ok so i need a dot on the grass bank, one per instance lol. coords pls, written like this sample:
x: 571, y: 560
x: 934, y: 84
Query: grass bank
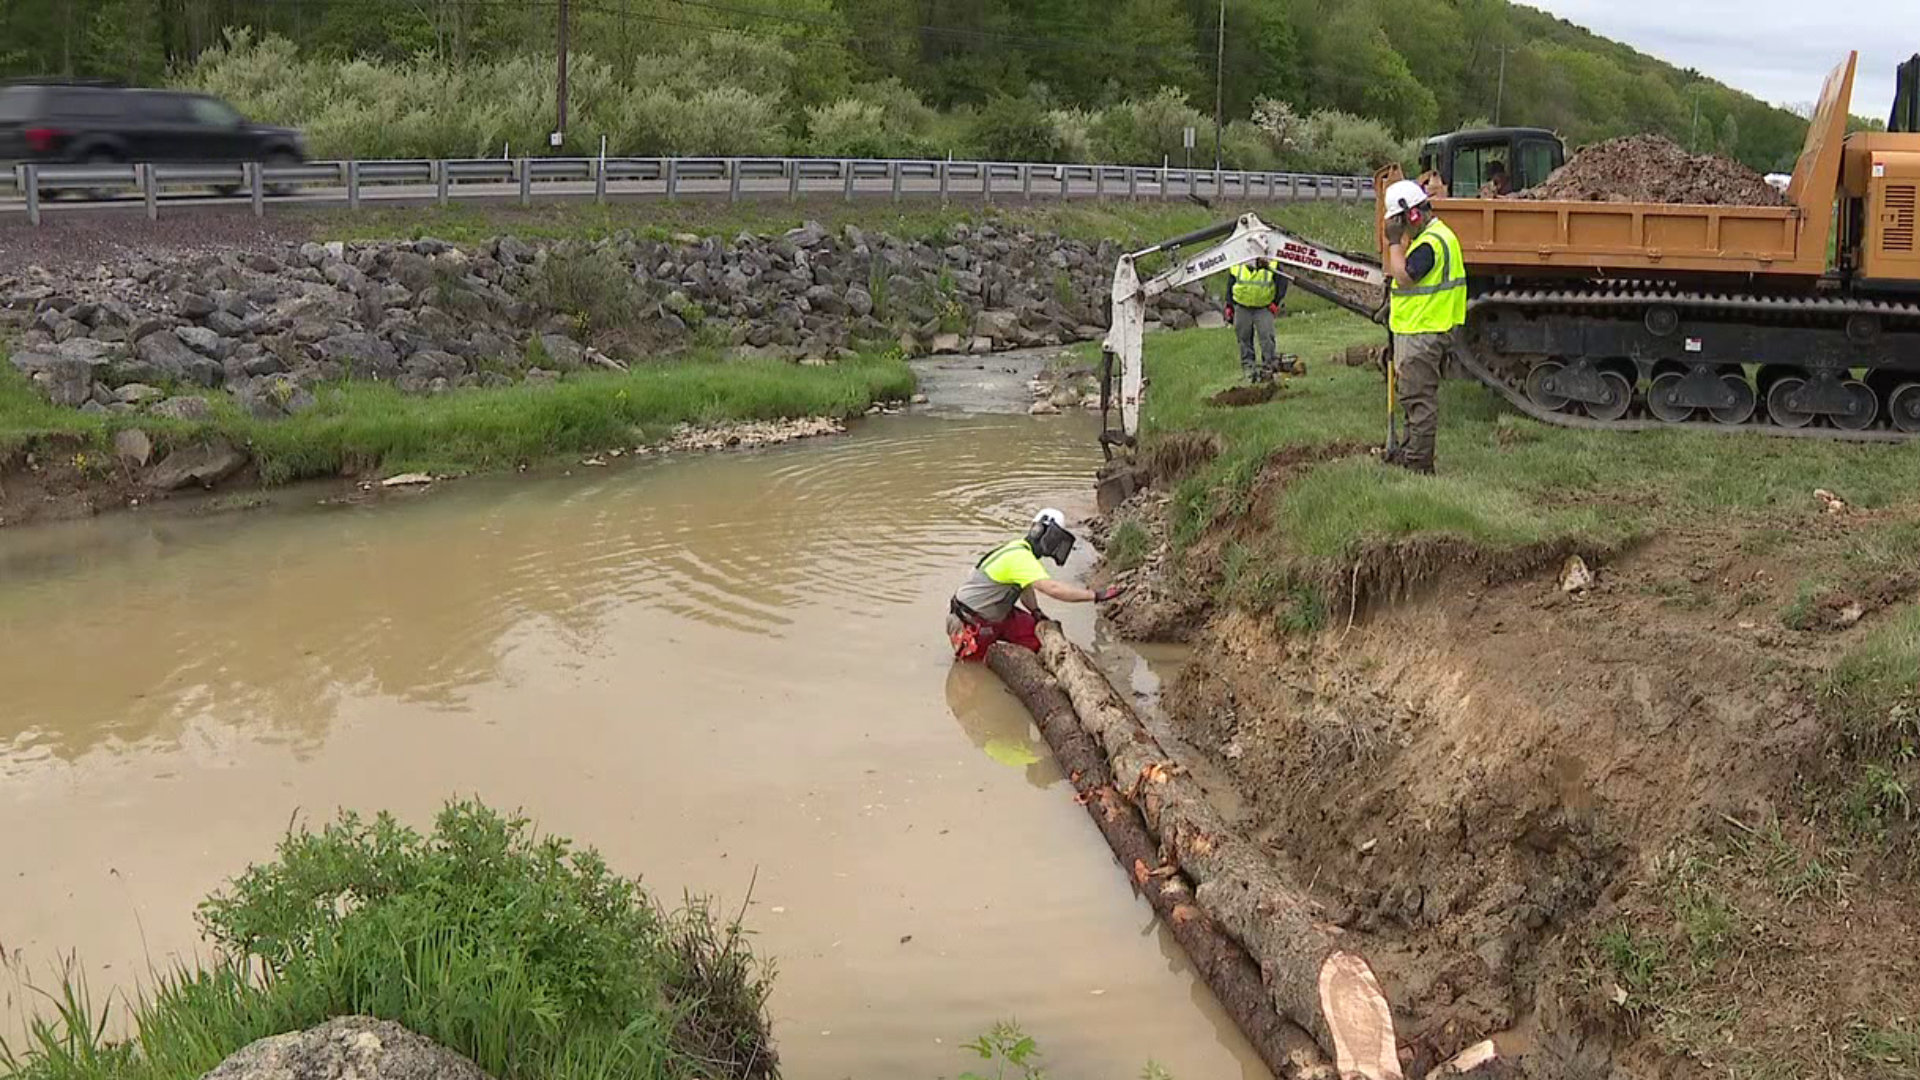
x: 521, y: 951
x: 1505, y: 481
x: 366, y: 426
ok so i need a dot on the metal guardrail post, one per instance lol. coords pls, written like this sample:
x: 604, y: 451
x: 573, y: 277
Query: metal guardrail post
x: 793, y: 179
x: 893, y: 173
x: 257, y: 188
x: 442, y: 185
x: 150, y: 192
x: 30, y: 186
x: 943, y: 183
x: 986, y: 183
x: 353, y: 185
x: 733, y: 180
x: 524, y: 166
x: 1026, y: 182
x: 846, y: 167
x: 1099, y: 181
x: 1133, y: 184
x: 600, y: 181
x: 1166, y: 183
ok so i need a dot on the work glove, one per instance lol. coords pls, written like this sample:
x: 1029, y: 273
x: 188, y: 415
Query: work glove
x: 1229, y: 314
x: 1110, y: 593
x: 1274, y: 307
x: 1396, y: 229
x: 1041, y: 616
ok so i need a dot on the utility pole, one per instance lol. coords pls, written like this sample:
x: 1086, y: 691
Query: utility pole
x: 1219, y: 82
x: 1693, y: 138
x: 560, y: 129
x: 1500, y: 95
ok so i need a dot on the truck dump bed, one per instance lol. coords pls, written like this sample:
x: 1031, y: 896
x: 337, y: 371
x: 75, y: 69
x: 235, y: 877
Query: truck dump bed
x: 1511, y: 236
x: 1629, y: 239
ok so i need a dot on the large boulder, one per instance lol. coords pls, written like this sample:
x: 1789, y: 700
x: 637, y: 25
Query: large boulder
x: 163, y: 355
x: 67, y: 382
x: 184, y: 408
x: 363, y: 355
x: 998, y: 325
x: 205, y: 465
x: 809, y: 235
x: 347, y: 1048
x: 563, y: 353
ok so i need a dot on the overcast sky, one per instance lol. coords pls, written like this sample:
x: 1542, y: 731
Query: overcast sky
x: 1777, y: 50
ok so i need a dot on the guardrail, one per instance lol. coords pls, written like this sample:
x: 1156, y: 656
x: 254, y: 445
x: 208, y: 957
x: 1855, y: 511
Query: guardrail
x: 525, y: 180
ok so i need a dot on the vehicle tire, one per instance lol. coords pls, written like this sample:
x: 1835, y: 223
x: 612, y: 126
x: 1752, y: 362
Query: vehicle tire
x: 283, y: 159
x: 100, y: 157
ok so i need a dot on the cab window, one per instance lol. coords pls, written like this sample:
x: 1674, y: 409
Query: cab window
x: 1538, y: 159
x: 1475, y: 169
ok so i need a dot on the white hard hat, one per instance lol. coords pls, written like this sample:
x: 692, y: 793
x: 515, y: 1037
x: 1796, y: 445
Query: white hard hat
x: 1050, y: 516
x: 1403, y: 196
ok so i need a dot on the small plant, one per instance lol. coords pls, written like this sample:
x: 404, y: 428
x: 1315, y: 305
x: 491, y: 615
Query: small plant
x: 1303, y: 610
x: 589, y: 285
x: 1636, y: 960
x: 1127, y: 547
x: 1011, y: 1052
x: 878, y: 289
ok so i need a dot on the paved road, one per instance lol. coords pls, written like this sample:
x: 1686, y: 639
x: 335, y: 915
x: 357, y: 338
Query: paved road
x: 545, y: 191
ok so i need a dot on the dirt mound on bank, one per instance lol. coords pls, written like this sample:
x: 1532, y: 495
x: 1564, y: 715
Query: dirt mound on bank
x: 1651, y: 169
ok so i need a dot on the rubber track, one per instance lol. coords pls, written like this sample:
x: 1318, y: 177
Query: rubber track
x: 1630, y: 294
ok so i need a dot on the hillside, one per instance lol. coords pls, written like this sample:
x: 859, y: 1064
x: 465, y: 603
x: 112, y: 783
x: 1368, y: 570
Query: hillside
x: 1032, y: 79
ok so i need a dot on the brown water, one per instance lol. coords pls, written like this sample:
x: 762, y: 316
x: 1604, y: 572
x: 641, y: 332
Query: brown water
x: 709, y: 668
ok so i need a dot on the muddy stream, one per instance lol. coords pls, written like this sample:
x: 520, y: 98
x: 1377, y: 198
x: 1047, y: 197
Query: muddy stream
x: 708, y: 667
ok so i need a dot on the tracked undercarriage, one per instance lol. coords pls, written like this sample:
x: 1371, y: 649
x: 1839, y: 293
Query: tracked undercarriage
x: 1638, y: 355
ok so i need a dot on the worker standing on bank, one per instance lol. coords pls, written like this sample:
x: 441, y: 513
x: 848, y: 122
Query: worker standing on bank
x: 1000, y: 600
x: 1252, y: 306
x: 1428, y: 289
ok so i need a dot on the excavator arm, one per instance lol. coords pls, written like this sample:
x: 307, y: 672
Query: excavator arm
x: 1246, y: 240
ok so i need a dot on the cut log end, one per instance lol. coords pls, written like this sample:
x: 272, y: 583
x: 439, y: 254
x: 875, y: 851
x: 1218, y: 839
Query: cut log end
x: 1358, y: 1018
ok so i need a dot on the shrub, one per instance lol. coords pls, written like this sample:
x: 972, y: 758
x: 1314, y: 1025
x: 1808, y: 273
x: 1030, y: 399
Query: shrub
x: 1073, y: 134
x: 1014, y: 129
x: 1145, y: 132
x: 1339, y: 142
x: 847, y: 128
x: 1244, y: 146
x: 590, y: 285
x: 522, y: 952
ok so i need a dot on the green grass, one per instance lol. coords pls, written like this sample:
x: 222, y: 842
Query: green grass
x: 522, y: 952
x: 1505, y: 482
x: 364, y: 425
x: 1127, y: 547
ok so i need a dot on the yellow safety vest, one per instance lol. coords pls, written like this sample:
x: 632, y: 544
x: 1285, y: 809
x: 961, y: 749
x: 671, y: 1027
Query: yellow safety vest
x: 1252, y: 288
x: 1437, y: 303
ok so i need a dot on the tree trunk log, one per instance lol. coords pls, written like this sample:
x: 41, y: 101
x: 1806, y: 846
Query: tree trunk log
x: 1228, y: 971
x: 1313, y: 979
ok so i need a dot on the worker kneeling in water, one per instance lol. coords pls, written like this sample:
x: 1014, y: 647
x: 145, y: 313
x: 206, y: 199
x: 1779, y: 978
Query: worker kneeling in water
x: 1000, y: 601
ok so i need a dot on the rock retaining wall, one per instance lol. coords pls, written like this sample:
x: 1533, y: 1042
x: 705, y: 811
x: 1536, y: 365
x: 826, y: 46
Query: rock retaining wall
x: 269, y: 326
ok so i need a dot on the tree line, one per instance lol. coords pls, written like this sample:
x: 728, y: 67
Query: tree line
x: 1018, y: 76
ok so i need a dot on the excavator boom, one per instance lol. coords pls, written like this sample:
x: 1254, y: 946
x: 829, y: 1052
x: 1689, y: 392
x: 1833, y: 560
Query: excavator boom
x: 1247, y: 239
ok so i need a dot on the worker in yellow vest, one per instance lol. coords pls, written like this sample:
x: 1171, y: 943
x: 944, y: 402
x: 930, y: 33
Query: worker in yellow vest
x: 1428, y: 289
x: 1253, y: 305
x: 1000, y: 600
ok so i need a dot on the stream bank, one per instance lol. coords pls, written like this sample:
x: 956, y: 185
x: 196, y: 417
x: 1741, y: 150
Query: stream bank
x: 1601, y: 746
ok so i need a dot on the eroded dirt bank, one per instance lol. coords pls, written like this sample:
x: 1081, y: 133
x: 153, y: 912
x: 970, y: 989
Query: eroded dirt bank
x: 1612, y: 826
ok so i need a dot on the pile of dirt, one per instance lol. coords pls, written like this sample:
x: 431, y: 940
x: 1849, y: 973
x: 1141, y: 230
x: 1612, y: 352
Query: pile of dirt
x: 1651, y: 169
x: 1239, y: 397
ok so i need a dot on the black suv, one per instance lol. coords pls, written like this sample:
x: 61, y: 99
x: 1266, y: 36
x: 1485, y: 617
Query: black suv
x: 80, y: 123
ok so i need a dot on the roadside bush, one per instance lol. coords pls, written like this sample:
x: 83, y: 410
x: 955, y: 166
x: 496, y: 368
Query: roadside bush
x: 1014, y: 129
x: 1338, y: 142
x: 1073, y: 134
x: 848, y: 128
x: 1144, y: 132
x: 1244, y: 146
x: 720, y: 120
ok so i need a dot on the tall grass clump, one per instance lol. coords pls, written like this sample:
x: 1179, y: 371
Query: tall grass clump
x: 523, y: 952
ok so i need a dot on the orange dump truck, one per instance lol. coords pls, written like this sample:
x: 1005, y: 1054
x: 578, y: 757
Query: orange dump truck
x: 1802, y: 319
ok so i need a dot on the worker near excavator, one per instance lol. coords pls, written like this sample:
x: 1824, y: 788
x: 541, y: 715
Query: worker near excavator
x: 1427, y: 286
x: 1253, y: 304
x: 1000, y: 600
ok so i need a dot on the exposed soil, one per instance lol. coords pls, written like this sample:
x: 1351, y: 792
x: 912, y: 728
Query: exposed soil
x: 1239, y: 397
x: 1651, y: 169
x: 1480, y: 775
